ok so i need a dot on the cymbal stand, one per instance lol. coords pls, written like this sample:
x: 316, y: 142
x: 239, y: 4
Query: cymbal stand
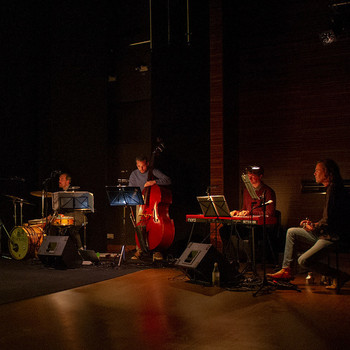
x: 42, y: 203
x: 21, y: 211
x: 15, y: 212
x: 84, y: 228
x: 44, y: 206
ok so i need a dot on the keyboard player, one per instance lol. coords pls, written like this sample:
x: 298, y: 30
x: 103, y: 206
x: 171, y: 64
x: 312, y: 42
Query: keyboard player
x: 239, y: 234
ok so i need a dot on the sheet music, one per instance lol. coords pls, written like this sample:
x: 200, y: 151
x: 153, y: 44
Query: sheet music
x: 214, y: 206
x: 207, y: 206
x: 221, y: 206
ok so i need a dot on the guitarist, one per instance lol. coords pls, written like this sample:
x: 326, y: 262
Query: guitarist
x: 139, y: 178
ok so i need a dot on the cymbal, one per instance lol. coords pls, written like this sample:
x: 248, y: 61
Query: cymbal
x: 18, y: 200
x: 39, y: 194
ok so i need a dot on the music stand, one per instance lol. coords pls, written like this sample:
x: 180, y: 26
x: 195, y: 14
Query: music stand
x: 78, y: 200
x: 221, y: 206
x: 207, y: 206
x: 74, y: 200
x: 214, y: 206
x: 126, y: 197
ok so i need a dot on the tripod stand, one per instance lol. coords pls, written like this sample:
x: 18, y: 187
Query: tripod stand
x: 264, y: 284
x: 126, y: 197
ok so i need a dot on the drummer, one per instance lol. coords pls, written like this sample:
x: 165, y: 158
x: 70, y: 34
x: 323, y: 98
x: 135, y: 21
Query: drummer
x: 64, y: 183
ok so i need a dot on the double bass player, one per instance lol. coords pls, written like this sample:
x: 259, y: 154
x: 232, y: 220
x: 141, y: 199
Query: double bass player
x: 140, y: 178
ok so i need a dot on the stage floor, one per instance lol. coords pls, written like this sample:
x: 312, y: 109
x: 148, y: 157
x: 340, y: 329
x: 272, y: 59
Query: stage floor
x: 159, y: 309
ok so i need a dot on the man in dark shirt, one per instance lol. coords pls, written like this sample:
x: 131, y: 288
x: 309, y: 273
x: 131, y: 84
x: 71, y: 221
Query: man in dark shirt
x: 321, y: 235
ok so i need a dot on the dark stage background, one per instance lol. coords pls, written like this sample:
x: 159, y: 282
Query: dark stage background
x: 81, y: 93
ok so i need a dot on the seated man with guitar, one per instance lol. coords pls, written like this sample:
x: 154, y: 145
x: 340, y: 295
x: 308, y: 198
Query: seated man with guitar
x: 315, y: 239
x: 250, y: 206
x: 155, y: 230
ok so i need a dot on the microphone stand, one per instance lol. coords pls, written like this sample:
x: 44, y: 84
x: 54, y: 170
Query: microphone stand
x: 44, y: 205
x: 264, y: 283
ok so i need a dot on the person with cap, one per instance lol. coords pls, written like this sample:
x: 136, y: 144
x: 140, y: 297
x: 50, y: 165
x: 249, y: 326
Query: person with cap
x: 264, y: 192
x: 250, y: 206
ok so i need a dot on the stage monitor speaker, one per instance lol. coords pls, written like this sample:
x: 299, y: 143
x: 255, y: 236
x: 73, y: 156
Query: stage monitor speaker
x: 198, y: 260
x: 59, y: 252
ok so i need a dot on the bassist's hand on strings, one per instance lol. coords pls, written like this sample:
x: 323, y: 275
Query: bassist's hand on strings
x: 150, y: 183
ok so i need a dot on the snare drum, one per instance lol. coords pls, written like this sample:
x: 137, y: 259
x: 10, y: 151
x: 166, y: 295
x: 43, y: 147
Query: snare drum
x: 62, y: 220
x: 25, y: 241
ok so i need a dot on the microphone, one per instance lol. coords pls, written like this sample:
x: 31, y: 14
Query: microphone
x: 264, y: 204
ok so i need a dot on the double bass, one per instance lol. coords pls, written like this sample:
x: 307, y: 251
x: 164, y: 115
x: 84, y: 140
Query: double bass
x: 156, y: 229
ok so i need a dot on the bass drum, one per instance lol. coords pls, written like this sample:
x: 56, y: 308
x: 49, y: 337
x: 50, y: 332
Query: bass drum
x: 37, y: 222
x: 25, y: 241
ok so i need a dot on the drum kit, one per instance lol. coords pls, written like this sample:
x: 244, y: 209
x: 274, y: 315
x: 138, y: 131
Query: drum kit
x: 25, y: 239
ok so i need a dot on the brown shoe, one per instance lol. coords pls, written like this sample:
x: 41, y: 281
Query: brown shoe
x: 343, y: 278
x: 157, y: 256
x: 284, y: 274
x: 137, y: 255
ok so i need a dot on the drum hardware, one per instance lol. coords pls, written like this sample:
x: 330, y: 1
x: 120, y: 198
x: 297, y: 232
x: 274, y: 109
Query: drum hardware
x: 43, y: 194
x: 84, y: 228
x: 18, y: 200
x: 15, y: 201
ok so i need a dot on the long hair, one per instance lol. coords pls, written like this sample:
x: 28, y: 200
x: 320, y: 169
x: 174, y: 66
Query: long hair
x: 332, y: 170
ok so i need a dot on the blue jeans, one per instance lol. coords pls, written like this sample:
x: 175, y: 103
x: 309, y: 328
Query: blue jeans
x: 316, y: 248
